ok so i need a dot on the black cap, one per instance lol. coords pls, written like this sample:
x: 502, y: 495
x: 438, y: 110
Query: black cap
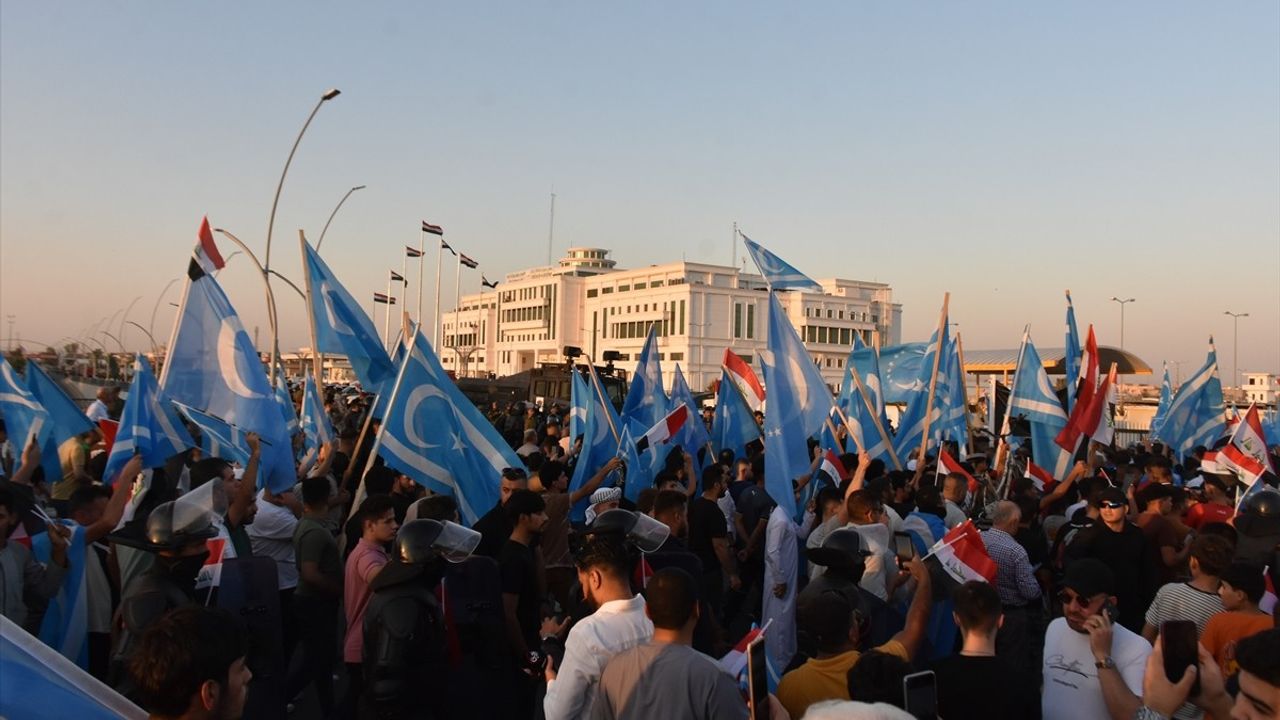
x: 1089, y: 577
x: 1115, y: 495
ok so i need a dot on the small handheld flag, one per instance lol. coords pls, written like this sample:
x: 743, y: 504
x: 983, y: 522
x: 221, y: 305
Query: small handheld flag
x: 664, y: 430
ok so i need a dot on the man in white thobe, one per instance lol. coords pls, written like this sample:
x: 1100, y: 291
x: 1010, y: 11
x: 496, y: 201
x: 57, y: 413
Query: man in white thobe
x: 781, y: 563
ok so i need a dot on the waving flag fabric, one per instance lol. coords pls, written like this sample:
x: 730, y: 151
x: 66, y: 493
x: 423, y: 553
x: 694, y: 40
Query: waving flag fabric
x: 66, y: 420
x: 1085, y: 387
x: 217, y: 438
x: 641, y: 467
x: 149, y: 425
x: 24, y: 417
x: 910, y: 435
x: 646, y: 400
x: 865, y: 361
x: 342, y: 327
x: 383, y: 396
x: 1195, y: 414
x: 433, y: 434
x: 599, y: 444
x: 778, y: 273
x: 213, y: 367
x: 1162, y: 409
x: 65, y: 627
x: 1072, y: 355
x: 694, y: 437
x: 317, y: 431
x: 667, y: 429
x: 285, y: 402
x: 1033, y: 398
x: 900, y: 371
x: 953, y: 413
x: 734, y: 425
x: 745, y: 379
x: 1041, y: 478
x: 799, y: 403
x: 579, y: 395
x: 1250, y: 438
x: 960, y: 556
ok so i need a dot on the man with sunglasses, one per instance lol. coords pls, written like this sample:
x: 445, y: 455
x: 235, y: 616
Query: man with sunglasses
x: 1092, y: 668
x: 1120, y: 545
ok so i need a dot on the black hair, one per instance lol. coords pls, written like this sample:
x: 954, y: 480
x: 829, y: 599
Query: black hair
x: 1222, y: 530
x: 668, y: 500
x: 523, y: 502
x: 1213, y: 553
x: 671, y: 598
x: 1247, y: 578
x: 663, y: 477
x: 1257, y: 656
x: 977, y: 604
x: 712, y: 475
x: 550, y: 472
x: 206, y: 470
x: 828, y: 619
x: 87, y: 495
x: 877, y: 677
x: 315, y: 491
x: 606, y: 552
x: 6, y: 500
x: 181, y: 651
x: 644, y: 501
x: 437, y: 507
x: 374, y: 507
x: 929, y: 500
x: 1152, y: 493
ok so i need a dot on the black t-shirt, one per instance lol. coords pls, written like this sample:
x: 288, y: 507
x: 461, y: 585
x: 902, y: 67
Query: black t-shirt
x: 520, y: 577
x: 494, y: 531
x: 1125, y: 552
x: 985, y: 688
x: 706, y: 523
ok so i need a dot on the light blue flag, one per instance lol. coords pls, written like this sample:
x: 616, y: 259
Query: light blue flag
x: 1073, y: 352
x: 66, y: 420
x: 342, y: 327
x: 1033, y: 398
x: 779, y: 274
x: 865, y: 360
x: 642, y: 468
x: 24, y: 417
x: 646, y: 400
x: 953, y: 420
x: 286, y: 404
x: 214, y: 368
x: 799, y: 403
x: 1162, y: 409
x: 149, y: 426
x: 384, y: 393
x: 1195, y: 413
x: 693, y: 437
x: 435, y: 435
x: 65, y: 627
x: 734, y: 425
x: 217, y: 438
x: 599, y: 444
x: 900, y: 371
x: 910, y: 434
x: 579, y: 395
x: 40, y: 684
x: 1272, y: 429
x: 317, y: 431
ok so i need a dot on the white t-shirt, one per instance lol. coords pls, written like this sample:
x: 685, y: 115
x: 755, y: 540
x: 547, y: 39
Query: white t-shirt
x: 1071, y: 688
x: 615, y: 626
x: 96, y: 411
x: 271, y: 535
x: 875, y: 539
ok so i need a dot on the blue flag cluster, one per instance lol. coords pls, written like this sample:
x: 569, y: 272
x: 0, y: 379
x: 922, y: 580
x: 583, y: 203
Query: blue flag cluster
x: 1195, y: 414
x: 149, y: 426
x: 342, y: 327
x: 1033, y: 399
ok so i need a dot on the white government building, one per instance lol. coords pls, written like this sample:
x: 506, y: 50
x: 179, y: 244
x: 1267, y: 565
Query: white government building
x: 699, y: 308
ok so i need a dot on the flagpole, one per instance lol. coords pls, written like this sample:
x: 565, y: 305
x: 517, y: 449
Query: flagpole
x: 595, y: 382
x: 964, y: 388
x: 1008, y: 411
x: 173, y: 334
x: 311, y: 315
x: 457, y: 312
x: 933, y: 378
x: 435, y: 333
x: 377, y: 439
x: 386, y: 323
x: 875, y: 415
x: 422, y: 258
x: 404, y: 278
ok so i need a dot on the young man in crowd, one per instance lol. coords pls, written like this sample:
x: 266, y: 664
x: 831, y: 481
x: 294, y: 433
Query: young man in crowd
x: 1197, y: 599
x: 190, y: 665
x: 977, y: 683
x: 1241, y: 590
x: 21, y: 575
x: 493, y: 526
x: 709, y: 538
x: 316, y: 598
x: 666, y: 677
x: 1215, y: 505
x: 553, y: 479
x: 522, y: 583
x: 377, y: 529
x: 1118, y: 544
x: 1165, y: 549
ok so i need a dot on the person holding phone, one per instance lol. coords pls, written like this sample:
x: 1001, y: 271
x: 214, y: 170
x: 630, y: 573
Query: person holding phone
x: 1092, y: 666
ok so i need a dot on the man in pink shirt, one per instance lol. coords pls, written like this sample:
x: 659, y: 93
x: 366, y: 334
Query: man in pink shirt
x: 378, y: 526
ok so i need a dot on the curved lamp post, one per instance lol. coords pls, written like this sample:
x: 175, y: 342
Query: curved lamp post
x: 335, y: 212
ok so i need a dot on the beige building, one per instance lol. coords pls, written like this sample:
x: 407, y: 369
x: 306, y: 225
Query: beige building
x: 699, y: 309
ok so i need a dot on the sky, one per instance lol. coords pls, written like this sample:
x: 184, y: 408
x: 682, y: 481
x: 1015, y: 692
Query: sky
x: 1004, y: 152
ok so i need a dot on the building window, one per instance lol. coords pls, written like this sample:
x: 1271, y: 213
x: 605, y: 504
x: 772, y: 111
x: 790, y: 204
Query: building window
x: 737, y: 320
x: 592, y: 292
x: 751, y: 320
x: 828, y: 314
x: 606, y: 291
x: 845, y: 338
x: 841, y: 314
x: 677, y: 356
x: 822, y: 334
x: 656, y: 283
x: 682, y: 325
x: 747, y: 358
x: 623, y: 288
x: 640, y: 286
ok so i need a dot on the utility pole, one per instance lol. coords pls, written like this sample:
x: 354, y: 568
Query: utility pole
x: 551, y: 230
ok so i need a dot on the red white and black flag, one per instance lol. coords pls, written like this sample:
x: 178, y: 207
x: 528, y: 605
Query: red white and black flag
x: 412, y: 252
x: 743, y: 377
x: 397, y: 277
x: 468, y: 261
x: 206, y: 258
x: 446, y: 246
x: 485, y: 282
x: 950, y: 465
x: 960, y: 556
x: 1041, y: 478
x: 667, y: 428
x: 384, y: 299
x: 432, y: 229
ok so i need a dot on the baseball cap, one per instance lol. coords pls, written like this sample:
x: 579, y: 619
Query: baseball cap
x: 1089, y: 577
x: 1114, y: 495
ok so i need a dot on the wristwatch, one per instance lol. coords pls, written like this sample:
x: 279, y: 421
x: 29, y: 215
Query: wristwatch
x: 1106, y: 663
x: 1146, y: 713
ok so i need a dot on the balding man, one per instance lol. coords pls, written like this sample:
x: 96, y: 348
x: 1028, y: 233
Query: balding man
x: 98, y: 409
x: 1015, y: 581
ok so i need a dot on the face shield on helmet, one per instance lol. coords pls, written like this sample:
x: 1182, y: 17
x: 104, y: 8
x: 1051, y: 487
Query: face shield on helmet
x: 421, y: 541
x: 642, y: 531
x: 455, y: 542
x: 178, y: 522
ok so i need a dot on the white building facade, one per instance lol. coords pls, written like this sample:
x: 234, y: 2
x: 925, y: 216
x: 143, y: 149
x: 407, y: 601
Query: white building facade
x: 699, y: 309
x: 1261, y: 388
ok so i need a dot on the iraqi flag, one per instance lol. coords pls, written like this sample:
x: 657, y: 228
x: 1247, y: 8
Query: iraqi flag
x: 745, y: 379
x: 1087, y: 384
x: 206, y: 254
x: 833, y: 468
x: 1245, y: 466
x: 948, y: 464
x: 1249, y: 438
x: 734, y: 662
x: 960, y: 556
x: 109, y: 428
x: 1211, y: 464
x: 1041, y: 478
x: 412, y: 252
x: 666, y: 428
x: 434, y: 230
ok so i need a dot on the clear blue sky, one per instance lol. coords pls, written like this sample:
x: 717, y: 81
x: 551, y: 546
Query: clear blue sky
x: 1002, y: 151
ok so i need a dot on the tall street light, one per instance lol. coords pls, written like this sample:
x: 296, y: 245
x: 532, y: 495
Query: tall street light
x: 1124, y: 302
x: 271, y: 223
x: 336, y: 208
x: 1235, y: 344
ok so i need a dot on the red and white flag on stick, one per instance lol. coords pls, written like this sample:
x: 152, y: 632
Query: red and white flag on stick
x: 206, y: 256
x: 1043, y: 479
x: 667, y: 428
x: 1249, y: 437
x: 735, y: 661
x: 832, y: 466
x: 949, y: 465
x: 960, y: 556
x: 748, y: 384
x: 1069, y: 438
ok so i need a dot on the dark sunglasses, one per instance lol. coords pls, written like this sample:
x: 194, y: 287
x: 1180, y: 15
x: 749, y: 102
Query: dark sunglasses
x: 1067, y: 598
x: 1111, y: 505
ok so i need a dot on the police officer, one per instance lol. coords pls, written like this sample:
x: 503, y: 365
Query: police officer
x: 845, y: 560
x: 405, y: 663
x: 1258, y: 526
x: 176, y: 532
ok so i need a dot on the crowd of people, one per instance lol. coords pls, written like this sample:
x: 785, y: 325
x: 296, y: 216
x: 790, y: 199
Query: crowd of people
x: 211, y: 598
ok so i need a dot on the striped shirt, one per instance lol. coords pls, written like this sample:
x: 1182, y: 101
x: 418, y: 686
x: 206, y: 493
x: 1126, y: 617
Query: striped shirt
x: 1015, y: 581
x: 1181, y: 601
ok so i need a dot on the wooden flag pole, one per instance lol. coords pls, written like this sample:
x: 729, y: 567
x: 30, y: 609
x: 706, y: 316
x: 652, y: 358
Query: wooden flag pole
x: 599, y: 387
x: 875, y: 417
x: 933, y: 378
x: 964, y: 388
x: 377, y: 439
x: 311, y: 315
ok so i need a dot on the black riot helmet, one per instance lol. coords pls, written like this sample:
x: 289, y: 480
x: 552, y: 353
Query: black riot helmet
x: 422, y: 541
x: 842, y: 551
x: 1259, y: 513
x: 175, y: 524
x: 640, y: 531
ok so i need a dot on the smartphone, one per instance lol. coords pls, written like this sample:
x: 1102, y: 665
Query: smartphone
x: 920, y: 692
x: 1180, y: 642
x: 758, y: 679
x: 902, y: 547
x: 1108, y: 610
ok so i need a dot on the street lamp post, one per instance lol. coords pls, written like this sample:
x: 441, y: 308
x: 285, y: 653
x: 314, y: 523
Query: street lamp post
x: 336, y: 208
x: 1235, y: 344
x: 271, y: 223
x: 1124, y: 302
